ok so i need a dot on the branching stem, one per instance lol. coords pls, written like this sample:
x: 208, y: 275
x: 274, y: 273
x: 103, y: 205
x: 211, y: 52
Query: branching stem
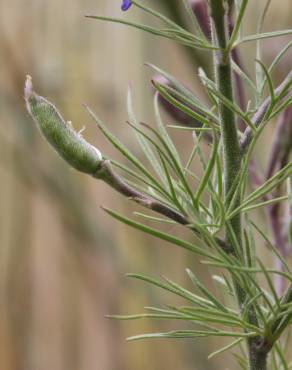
x: 232, y: 159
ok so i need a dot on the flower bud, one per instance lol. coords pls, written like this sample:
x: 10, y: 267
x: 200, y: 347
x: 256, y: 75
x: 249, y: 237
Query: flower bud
x: 175, y: 113
x: 126, y: 5
x: 60, y: 134
x: 200, y: 9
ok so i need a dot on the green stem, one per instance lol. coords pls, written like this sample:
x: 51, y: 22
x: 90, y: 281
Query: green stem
x: 231, y: 149
x: 257, y: 354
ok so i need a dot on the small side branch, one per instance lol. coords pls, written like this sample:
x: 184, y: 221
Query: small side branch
x: 281, y: 91
x: 107, y: 174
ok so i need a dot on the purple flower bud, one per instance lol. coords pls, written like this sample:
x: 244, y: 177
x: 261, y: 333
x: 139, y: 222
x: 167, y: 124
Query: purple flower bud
x: 200, y: 10
x: 126, y: 5
x: 176, y: 114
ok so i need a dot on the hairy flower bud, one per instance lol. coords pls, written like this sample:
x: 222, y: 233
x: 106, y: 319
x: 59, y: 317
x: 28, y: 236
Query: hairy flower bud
x: 60, y: 134
x: 175, y: 113
x: 200, y: 9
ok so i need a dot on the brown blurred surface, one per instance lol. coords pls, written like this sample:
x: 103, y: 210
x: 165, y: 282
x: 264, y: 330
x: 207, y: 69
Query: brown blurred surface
x: 62, y: 261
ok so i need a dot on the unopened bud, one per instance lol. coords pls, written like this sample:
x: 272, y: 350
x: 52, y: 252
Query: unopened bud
x: 175, y: 113
x: 70, y: 145
x: 200, y: 9
x: 126, y: 5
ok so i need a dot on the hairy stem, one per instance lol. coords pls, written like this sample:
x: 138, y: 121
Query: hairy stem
x: 231, y: 150
x: 232, y: 158
x: 257, y: 357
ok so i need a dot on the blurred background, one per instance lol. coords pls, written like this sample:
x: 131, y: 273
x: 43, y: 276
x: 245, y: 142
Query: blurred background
x: 62, y: 260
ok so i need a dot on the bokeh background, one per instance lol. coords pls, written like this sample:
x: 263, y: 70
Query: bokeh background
x: 62, y: 260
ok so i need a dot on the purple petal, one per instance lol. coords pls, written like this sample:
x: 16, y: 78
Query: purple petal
x: 126, y: 5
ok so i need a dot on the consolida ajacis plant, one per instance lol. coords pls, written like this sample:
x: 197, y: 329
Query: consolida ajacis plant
x: 216, y: 205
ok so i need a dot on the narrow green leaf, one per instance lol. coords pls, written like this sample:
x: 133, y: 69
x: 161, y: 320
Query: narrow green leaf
x: 171, y: 187
x: 275, y: 62
x: 183, y: 128
x: 141, y: 139
x: 281, y: 107
x: 244, y: 76
x: 264, y: 35
x: 160, y: 235
x: 139, y: 26
x: 209, y: 168
x: 156, y: 219
x: 225, y: 348
x: 205, y: 291
x: 176, y: 289
x: 259, y: 71
x: 194, y: 20
x: 270, y: 284
x: 269, y: 80
x: 162, y: 130
x: 270, y: 184
x: 237, y: 25
x: 281, y: 356
x: 196, y: 150
x: 149, y: 316
x: 200, y: 301
x: 177, y: 166
x: 192, y: 334
x: 263, y: 204
x: 209, y: 317
x: 158, y: 15
x: 250, y: 246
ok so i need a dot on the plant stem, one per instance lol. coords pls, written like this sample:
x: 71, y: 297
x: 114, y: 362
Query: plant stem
x: 232, y: 159
x: 223, y: 73
x: 257, y: 358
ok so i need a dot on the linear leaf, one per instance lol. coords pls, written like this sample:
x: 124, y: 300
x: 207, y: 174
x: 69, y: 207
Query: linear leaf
x: 192, y: 334
x: 161, y: 235
x: 163, y: 131
x: 264, y: 35
x: 205, y: 291
x: 225, y: 348
x: 143, y: 142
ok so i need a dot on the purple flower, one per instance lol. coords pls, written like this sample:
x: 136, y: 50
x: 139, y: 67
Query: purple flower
x: 126, y: 5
